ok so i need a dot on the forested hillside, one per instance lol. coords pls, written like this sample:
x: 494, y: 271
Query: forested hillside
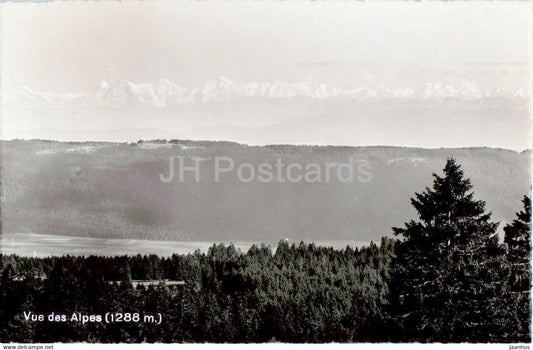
x: 114, y: 190
x: 445, y: 278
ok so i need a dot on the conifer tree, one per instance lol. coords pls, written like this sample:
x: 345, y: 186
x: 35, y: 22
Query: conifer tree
x: 517, y: 239
x: 447, y: 279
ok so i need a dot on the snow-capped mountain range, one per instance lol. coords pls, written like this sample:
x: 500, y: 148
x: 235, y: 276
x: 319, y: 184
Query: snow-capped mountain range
x: 166, y: 92
x: 51, y: 97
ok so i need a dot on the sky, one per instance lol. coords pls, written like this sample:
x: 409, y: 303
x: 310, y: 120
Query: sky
x: 71, y: 47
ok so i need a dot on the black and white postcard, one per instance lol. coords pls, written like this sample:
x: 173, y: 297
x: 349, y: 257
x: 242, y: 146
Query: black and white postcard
x: 265, y: 172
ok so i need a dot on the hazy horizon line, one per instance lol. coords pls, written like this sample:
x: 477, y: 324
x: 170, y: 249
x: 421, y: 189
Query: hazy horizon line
x: 263, y: 145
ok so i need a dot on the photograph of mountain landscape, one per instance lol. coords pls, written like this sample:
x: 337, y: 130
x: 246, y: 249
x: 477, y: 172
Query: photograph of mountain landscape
x: 265, y: 172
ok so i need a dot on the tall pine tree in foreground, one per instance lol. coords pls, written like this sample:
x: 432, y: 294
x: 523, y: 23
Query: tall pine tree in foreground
x: 448, y: 273
x: 517, y: 238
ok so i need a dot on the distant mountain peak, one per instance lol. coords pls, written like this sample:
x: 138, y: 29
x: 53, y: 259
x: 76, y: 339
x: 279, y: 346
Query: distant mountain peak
x: 51, y: 97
